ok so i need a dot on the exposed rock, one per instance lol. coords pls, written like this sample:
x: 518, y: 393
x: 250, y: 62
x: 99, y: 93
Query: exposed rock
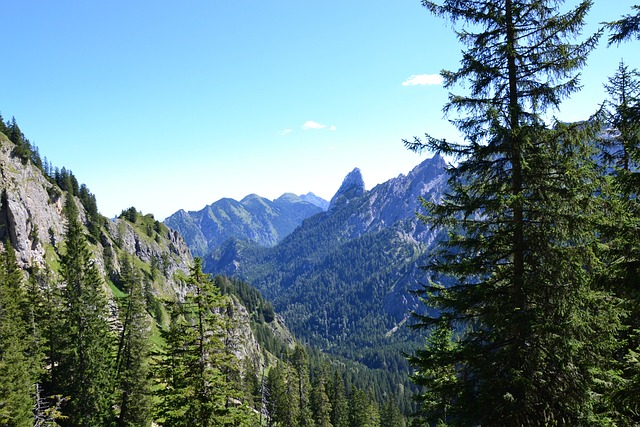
x: 352, y: 187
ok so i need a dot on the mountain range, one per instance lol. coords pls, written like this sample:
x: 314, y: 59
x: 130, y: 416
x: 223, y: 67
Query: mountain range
x: 253, y: 218
x: 343, y: 278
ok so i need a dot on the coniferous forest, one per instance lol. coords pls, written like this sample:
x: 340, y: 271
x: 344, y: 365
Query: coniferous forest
x: 530, y: 302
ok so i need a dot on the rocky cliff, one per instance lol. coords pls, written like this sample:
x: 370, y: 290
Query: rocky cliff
x: 32, y: 220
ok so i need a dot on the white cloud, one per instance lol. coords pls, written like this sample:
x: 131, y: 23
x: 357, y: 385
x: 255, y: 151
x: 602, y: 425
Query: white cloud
x: 286, y: 131
x: 332, y: 128
x: 423, y: 80
x: 310, y: 124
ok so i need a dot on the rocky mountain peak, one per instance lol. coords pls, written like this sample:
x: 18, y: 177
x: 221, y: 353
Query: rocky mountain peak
x: 352, y: 186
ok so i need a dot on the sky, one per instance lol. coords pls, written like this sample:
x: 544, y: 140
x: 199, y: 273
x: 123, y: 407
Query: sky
x: 166, y: 105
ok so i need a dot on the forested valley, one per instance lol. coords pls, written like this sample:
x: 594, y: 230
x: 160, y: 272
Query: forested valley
x: 528, y: 299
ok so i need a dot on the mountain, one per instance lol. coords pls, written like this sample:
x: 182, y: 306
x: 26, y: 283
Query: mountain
x: 254, y: 218
x: 342, y: 280
x: 32, y: 220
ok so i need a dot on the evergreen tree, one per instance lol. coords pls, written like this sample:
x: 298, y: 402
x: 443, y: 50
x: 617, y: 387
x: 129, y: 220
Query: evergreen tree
x: 625, y: 28
x: 84, y: 370
x: 132, y: 364
x: 362, y: 411
x: 390, y: 415
x: 194, y: 388
x: 300, y: 364
x: 16, y: 373
x: 621, y: 158
x: 275, y: 396
x: 339, y: 403
x: 320, y: 403
x: 531, y: 335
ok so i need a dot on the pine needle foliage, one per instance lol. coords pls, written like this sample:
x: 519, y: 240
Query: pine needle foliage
x: 83, y: 369
x: 521, y: 337
x: 16, y: 373
x: 194, y: 388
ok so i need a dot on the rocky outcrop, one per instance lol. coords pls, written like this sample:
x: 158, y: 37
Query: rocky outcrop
x: 352, y: 187
x: 30, y: 208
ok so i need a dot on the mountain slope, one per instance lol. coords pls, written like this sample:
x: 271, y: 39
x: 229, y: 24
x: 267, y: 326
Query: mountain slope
x: 342, y: 279
x: 254, y: 218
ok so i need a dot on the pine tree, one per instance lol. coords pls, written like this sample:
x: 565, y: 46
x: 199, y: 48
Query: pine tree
x: 276, y: 399
x: 16, y: 371
x: 300, y: 364
x: 320, y: 403
x: 531, y: 334
x: 362, y: 411
x: 621, y: 158
x: 194, y: 388
x: 132, y: 362
x: 625, y: 28
x: 339, y: 403
x: 84, y: 369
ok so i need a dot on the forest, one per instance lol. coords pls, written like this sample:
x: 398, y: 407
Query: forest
x: 537, y: 324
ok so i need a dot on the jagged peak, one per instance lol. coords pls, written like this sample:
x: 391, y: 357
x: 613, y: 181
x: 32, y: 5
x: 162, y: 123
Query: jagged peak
x: 352, y: 186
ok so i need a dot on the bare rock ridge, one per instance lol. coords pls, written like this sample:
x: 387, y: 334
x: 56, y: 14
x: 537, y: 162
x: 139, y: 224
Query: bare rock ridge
x: 352, y: 186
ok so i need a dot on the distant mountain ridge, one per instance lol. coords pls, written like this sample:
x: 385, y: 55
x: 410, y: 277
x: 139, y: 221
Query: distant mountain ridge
x: 254, y: 218
x: 343, y: 278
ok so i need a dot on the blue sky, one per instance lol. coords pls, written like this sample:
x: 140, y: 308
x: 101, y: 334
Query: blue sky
x: 168, y: 105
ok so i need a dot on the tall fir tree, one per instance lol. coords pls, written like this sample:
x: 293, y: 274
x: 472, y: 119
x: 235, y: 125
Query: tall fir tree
x: 621, y: 231
x: 300, y: 364
x: 339, y: 403
x: 17, y: 382
x: 320, y: 404
x: 83, y: 371
x: 532, y: 336
x: 193, y: 386
x: 276, y: 402
x: 132, y: 361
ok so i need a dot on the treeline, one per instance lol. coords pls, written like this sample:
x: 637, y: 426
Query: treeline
x: 538, y: 325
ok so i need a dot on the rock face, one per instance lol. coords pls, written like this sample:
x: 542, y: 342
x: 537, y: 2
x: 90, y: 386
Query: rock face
x: 30, y: 208
x: 254, y: 219
x: 352, y: 187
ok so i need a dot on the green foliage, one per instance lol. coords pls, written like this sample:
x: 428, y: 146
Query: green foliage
x: 522, y: 336
x: 16, y: 365
x: 619, y: 234
x: 131, y: 214
x: 83, y: 364
x: 625, y: 28
x: 194, y: 387
x: 132, y: 362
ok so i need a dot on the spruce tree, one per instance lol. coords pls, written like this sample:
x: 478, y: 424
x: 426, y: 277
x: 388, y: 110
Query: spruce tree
x: 277, y: 405
x: 320, y: 403
x: 132, y: 361
x: 300, y: 364
x: 531, y: 335
x: 193, y: 386
x: 626, y: 27
x: 339, y: 403
x: 84, y: 369
x: 621, y: 158
x: 17, y: 382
